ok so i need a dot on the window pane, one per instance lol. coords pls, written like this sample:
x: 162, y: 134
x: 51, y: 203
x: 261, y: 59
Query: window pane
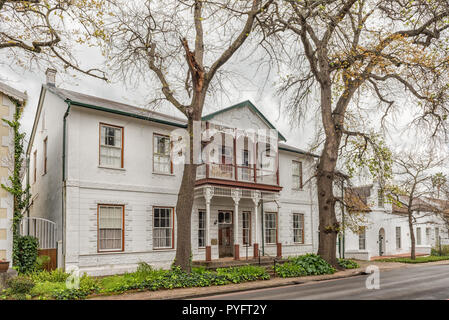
x: 162, y: 232
x: 110, y: 225
x: 111, y: 146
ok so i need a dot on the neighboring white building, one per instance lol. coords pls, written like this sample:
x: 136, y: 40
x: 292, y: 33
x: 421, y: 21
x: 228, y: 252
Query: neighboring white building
x: 102, y: 172
x: 7, y: 109
x: 386, y: 231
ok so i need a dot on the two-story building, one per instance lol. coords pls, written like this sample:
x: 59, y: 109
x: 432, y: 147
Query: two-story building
x: 102, y: 173
x: 385, y: 231
x: 9, y: 96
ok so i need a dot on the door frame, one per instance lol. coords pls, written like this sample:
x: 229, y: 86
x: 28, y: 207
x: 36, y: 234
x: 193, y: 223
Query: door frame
x: 231, y: 224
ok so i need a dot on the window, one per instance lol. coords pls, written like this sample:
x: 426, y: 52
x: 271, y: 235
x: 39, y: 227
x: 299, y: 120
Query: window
x: 34, y: 166
x: 418, y: 236
x: 201, y: 228
x: 110, y: 227
x: 428, y: 235
x: 246, y: 227
x: 161, y: 154
x: 362, y: 238
x: 270, y: 228
x: 398, y: 237
x: 380, y: 198
x: 163, y: 228
x: 45, y: 155
x: 298, y: 227
x: 437, y: 235
x: 297, y: 175
x: 111, y: 146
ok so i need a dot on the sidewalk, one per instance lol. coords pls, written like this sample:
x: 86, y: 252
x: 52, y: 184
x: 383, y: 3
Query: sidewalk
x: 186, y: 293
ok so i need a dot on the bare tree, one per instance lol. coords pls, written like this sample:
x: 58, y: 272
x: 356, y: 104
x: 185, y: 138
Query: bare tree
x: 344, y: 51
x: 48, y: 30
x: 413, y: 185
x: 181, y: 46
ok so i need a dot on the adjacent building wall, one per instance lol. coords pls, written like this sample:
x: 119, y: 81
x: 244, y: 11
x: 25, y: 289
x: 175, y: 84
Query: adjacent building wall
x: 7, y: 109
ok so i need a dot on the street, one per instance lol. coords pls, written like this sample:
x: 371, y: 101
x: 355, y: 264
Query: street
x: 415, y: 282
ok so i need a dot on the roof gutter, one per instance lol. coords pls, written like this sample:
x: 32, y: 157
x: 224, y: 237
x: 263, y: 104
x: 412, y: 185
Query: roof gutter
x: 299, y: 152
x: 123, y: 113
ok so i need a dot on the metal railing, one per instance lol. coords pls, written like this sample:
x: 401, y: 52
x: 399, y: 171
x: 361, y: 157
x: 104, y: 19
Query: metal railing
x: 44, y: 230
x: 275, y: 260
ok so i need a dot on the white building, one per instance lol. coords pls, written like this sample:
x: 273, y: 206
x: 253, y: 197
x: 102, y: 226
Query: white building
x: 8, y: 96
x: 386, y: 230
x: 103, y: 173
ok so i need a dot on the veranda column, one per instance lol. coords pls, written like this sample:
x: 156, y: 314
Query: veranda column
x: 208, y: 194
x: 256, y: 199
x: 236, y: 198
x: 278, y: 241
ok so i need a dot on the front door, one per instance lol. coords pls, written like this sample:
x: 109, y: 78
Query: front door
x: 225, y: 234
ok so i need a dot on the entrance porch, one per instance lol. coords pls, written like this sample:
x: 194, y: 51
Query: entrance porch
x: 232, y: 221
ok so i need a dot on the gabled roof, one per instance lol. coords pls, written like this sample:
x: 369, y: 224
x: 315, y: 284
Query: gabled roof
x: 243, y: 104
x: 13, y: 93
x: 286, y: 147
x: 86, y: 100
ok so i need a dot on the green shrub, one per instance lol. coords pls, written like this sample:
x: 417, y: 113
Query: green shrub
x: 436, y: 251
x: 27, y: 246
x: 20, y: 285
x: 243, y: 274
x: 56, y: 275
x: 289, y: 269
x: 41, y: 261
x: 305, y: 265
x: 348, y: 264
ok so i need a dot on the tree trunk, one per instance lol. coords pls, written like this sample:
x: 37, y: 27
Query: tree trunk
x: 184, y: 204
x: 412, y: 237
x: 329, y: 225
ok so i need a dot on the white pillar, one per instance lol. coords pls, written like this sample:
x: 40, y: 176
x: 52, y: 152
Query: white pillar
x: 256, y: 199
x: 236, y: 198
x: 208, y: 194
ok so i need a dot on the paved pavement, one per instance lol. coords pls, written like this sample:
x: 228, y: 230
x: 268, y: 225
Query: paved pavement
x: 412, y: 282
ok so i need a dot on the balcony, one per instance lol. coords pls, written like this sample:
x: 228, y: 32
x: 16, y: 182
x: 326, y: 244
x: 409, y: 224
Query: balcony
x: 231, y: 175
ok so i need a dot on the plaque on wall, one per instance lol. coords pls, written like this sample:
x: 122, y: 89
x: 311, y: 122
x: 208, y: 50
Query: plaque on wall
x: 213, y: 242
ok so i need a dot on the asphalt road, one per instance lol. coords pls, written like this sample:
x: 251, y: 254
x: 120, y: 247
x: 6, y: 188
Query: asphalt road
x: 417, y: 282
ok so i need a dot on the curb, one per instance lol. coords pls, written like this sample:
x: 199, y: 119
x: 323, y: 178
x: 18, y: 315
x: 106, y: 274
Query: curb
x: 236, y: 290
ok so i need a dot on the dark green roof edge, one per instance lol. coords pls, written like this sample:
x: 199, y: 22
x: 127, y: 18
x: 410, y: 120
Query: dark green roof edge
x: 123, y: 113
x: 240, y: 105
x: 299, y: 152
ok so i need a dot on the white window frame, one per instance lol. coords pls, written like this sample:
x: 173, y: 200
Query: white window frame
x: 156, y: 154
x: 380, y: 198
x: 201, y: 228
x: 122, y: 234
x: 246, y: 228
x: 268, y: 228
x: 170, y: 227
x: 299, y: 227
x: 105, y: 146
x: 398, y: 238
x: 362, y: 238
x: 297, y: 176
x: 418, y: 236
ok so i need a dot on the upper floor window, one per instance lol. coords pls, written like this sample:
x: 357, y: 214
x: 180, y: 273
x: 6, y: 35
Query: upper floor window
x: 362, y: 238
x: 45, y: 154
x: 161, y: 154
x: 110, y: 227
x: 298, y: 227
x: 296, y: 175
x: 380, y: 198
x: 163, y: 228
x: 111, y: 146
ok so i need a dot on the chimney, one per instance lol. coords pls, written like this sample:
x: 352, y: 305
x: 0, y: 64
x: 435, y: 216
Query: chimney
x: 51, y: 76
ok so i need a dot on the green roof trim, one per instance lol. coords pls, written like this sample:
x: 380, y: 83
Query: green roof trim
x: 246, y: 103
x: 123, y: 113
